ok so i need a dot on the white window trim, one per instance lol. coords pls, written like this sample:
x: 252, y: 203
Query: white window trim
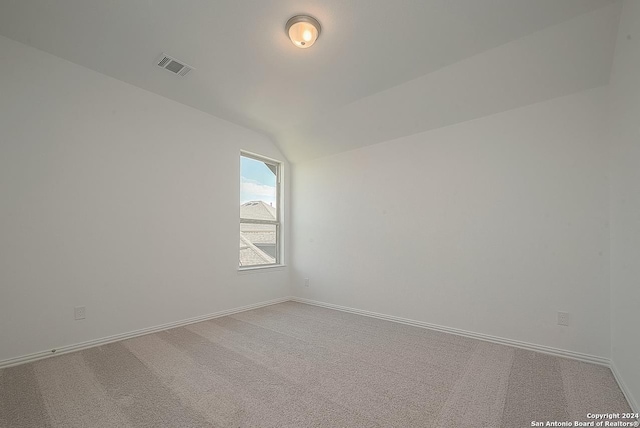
x: 278, y: 223
x: 260, y: 268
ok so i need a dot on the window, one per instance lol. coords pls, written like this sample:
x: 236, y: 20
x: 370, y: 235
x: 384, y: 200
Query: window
x: 260, y: 225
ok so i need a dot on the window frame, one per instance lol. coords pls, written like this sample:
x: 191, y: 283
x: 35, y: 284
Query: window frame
x: 277, y: 222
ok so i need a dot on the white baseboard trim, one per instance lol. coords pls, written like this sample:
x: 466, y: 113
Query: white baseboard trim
x: 625, y: 390
x: 103, y: 341
x: 494, y: 339
x: 486, y: 337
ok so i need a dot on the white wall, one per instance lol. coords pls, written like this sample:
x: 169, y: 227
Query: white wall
x: 624, y: 139
x: 491, y: 226
x: 113, y: 198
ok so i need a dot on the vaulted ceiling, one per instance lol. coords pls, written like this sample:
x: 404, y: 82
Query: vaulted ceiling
x: 380, y: 70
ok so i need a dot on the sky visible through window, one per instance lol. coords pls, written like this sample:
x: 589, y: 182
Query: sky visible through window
x: 257, y: 182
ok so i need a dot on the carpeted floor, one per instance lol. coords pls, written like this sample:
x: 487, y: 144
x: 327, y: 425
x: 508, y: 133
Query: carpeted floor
x: 295, y: 365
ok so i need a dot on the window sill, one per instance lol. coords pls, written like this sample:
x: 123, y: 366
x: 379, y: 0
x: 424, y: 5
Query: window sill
x: 257, y: 269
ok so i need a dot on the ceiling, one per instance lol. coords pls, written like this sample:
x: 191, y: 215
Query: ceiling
x: 380, y: 70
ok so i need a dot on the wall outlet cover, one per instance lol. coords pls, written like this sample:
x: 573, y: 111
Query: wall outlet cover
x: 564, y: 318
x: 79, y: 312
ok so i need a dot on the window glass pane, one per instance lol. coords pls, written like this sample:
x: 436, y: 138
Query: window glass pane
x: 258, y: 244
x: 259, y: 205
x: 257, y: 190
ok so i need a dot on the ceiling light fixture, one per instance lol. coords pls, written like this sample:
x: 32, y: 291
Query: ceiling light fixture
x: 303, y: 30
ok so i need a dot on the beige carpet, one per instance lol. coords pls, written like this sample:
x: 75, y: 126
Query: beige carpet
x: 295, y: 365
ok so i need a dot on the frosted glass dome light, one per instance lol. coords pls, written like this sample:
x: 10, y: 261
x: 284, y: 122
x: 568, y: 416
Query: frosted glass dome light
x: 303, y: 30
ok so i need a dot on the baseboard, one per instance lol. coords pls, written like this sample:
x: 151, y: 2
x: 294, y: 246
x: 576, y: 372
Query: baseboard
x: 103, y: 341
x: 489, y: 338
x: 625, y: 390
x: 494, y: 339
x: 486, y: 337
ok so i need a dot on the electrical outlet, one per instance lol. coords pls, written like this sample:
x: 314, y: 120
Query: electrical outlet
x: 564, y: 318
x: 79, y: 312
x: 306, y: 282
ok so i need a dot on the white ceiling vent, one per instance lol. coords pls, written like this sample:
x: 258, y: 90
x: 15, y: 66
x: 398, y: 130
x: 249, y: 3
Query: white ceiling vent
x: 173, y: 65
